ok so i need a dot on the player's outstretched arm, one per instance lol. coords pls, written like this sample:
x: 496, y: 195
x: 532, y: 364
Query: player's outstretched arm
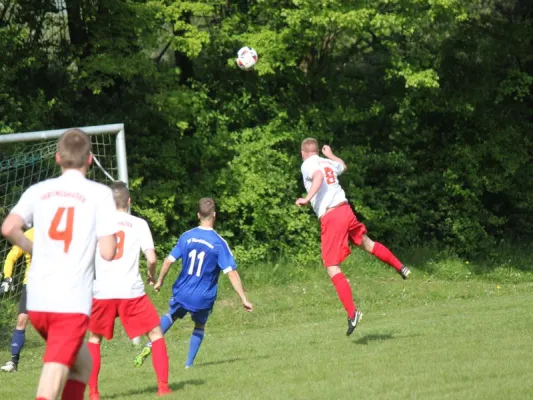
x: 164, y: 271
x: 14, y: 254
x: 235, y: 280
x: 328, y: 153
x: 151, y: 260
x: 13, y: 231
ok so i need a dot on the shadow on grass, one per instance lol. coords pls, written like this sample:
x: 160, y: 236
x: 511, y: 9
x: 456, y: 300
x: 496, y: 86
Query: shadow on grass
x: 152, y: 390
x: 228, y: 361
x: 375, y: 337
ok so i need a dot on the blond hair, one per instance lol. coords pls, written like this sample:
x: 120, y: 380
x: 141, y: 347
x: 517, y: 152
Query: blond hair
x: 121, y: 194
x: 206, y: 207
x: 309, y: 145
x: 74, y: 147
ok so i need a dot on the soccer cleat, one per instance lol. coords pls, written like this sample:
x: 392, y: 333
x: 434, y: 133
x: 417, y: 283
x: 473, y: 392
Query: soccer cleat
x: 143, y: 355
x: 9, y: 366
x: 163, y: 391
x: 405, y: 272
x: 352, y: 322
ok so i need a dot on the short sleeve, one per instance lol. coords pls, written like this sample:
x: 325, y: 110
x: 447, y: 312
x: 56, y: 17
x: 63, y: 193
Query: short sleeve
x: 106, y: 215
x: 176, y: 252
x: 226, y: 262
x: 147, y: 241
x: 25, y: 207
x: 337, y: 167
x: 308, y: 169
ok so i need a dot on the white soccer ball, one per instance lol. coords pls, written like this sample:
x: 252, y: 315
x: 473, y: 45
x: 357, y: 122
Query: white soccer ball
x: 246, y: 58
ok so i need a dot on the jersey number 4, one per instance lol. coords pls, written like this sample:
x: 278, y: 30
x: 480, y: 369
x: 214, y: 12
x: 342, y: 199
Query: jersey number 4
x: 64, y: 235
x: 193, y: 257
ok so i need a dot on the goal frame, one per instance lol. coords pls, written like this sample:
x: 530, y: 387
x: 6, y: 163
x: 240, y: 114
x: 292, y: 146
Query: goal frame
x: 120, y: 141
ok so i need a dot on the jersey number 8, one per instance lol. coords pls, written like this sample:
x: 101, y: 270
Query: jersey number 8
x: 330, y: 176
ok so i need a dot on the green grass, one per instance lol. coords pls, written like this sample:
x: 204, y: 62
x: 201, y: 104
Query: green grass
x: 452, y: 334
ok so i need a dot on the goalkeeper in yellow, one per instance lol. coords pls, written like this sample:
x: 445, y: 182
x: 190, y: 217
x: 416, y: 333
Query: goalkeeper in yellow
x: 18, y: 338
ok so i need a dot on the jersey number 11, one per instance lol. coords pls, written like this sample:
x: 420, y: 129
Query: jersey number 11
x: 192, y: 256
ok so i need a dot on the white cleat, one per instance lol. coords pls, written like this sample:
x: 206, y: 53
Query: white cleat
x: 9, y: 366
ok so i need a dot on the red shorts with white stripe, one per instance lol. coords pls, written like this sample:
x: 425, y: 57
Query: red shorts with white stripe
x: 64, y: 334
x: 138, y: 316
x: 339, y: 226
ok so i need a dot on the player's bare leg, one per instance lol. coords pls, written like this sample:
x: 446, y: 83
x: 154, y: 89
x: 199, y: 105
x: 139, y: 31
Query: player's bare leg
x: 79, y: 376
x: 196, y: 340
x: 165, y: 323
x: 344, y: 292
x: 94, y: 349
x: 53, y: 377
x: 17, y: 342
x: 384, y: 254
x: 160, y: 360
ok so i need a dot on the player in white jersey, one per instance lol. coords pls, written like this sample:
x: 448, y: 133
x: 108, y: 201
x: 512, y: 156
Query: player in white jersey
x: 119, y: 292
x: 338, y: 222
x: 70, y: 214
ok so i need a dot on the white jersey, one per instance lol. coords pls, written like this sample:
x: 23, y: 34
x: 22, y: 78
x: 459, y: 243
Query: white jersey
x: 120, y: 278
x: 68, y: 213
x: 330, y: 193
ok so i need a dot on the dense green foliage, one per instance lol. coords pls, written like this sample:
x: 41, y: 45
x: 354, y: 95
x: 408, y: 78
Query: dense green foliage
x: 428, y: 101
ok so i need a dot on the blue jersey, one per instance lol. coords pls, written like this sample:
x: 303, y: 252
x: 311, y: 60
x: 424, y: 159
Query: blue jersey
x: 203, y: 255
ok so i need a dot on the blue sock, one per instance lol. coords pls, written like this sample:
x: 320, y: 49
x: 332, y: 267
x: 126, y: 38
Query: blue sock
x: 17, y: 343
x: 196, y: 340
x: 166, y: 322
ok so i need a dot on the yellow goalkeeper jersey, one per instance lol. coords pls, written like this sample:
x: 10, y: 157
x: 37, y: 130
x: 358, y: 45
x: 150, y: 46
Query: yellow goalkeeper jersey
x: 14, y: 254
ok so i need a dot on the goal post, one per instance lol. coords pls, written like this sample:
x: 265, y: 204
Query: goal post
x: 29, y: 157
x: 118, y: 129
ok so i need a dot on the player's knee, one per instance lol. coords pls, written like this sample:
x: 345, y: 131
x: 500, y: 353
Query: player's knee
x: 81, y: 370
x: 333, y: 270
x: 367, y: 244
x: 94, y: 338
x: 155, y: 334
x: 22, y: 321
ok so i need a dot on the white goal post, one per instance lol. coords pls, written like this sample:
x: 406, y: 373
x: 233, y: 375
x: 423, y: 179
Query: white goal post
x: 29, y: 157
x: 120, y: 142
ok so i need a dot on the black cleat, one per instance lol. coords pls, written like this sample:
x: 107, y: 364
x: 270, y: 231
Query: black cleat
x: 405, y: 272
x: 352, y: 322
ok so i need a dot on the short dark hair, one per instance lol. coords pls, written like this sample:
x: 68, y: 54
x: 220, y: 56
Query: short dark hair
x: 74, y: 146
x: 121, y: 194
x: 206, y: 207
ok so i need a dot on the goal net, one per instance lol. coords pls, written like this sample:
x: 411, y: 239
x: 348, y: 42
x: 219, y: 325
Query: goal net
x: 28, y: 158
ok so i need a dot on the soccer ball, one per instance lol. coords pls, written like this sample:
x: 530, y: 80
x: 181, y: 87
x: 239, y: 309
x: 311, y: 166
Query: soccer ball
x: 246, y: 58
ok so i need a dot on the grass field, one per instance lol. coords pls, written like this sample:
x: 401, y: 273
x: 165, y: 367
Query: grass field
x: 451, y: 335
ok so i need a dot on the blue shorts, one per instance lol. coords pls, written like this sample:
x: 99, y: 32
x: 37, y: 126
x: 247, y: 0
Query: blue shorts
x: 177, y: 311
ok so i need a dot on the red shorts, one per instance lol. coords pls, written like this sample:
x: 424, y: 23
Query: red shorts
x: 138, y: 316
x: 338, y: 226
x: 64, y: 334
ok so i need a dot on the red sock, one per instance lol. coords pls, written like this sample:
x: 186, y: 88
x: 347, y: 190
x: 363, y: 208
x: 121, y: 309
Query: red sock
x: 386, y: 256
x: 94, y: 349
x: 73, y: 390
x: 345, y: 293
x: 40, y: 398
x: 160, y: 362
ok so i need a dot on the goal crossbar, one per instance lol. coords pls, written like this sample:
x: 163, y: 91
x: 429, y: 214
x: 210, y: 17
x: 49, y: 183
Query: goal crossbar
x: 90, y: 130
